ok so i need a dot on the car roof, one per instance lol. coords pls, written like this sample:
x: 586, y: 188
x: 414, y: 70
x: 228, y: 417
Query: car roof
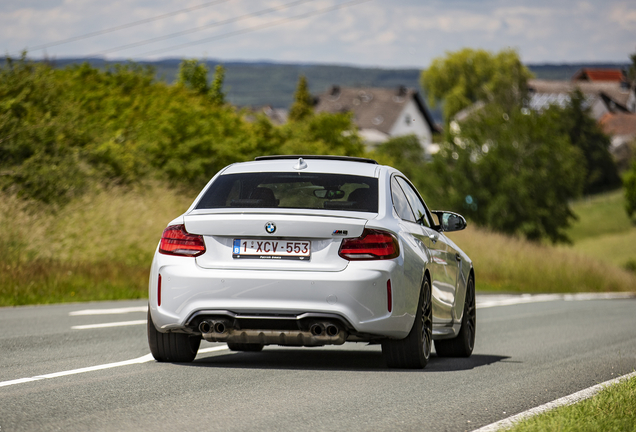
x: 313, y: 164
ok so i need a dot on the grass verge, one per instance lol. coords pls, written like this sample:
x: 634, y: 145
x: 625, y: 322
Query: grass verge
x: 612, y: 409
x: 42, y: 281
x: 99, y: 247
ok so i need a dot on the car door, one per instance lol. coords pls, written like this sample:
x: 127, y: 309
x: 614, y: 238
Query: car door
x: 443, y: 264
x: 412, y: 234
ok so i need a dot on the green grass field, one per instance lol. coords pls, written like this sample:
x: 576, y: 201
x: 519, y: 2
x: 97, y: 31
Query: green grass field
x: 611, y: 410
x: 99, y: 247
x: 603, y: 230
x: 602, y: 214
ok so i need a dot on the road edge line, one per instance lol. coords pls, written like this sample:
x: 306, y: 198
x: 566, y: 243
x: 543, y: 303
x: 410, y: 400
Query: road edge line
x: 564, y: 401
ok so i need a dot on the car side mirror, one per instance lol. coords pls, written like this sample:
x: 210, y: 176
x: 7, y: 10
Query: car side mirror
x: 449, y: 221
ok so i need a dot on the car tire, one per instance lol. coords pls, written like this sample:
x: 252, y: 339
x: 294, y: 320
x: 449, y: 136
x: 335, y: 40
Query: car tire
x: 414, y: 351
x: 251, y: 347
x: 172, y: 347
x: 462, y: 345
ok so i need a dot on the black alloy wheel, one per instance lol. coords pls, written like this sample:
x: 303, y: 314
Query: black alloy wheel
x: 464, y: 343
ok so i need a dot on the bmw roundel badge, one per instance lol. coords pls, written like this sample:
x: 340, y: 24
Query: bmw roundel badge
x: 270, y: 227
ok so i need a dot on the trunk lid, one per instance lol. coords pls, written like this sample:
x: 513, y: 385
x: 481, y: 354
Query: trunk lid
x: 273, y: 249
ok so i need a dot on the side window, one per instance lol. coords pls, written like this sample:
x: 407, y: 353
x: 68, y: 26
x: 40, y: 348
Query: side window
x: 415, y: 201
x: 400, y: 202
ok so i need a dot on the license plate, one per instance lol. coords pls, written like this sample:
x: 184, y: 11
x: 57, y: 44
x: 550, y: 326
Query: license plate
x: 271, y: 249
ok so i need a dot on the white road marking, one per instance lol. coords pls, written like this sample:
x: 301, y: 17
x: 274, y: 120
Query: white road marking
x: 486, y: 301
x: 139, y: 360
x: 566, y: 400
x: 113, y: 311
x: 113, y: 324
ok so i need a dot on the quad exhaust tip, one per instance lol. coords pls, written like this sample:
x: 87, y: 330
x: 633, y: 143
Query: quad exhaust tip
x: 213, y: 326
x: 219, y: 327
x: 316, y: 329
x: 205, y: 327
x: 327, y: 329
x: 332, y: 330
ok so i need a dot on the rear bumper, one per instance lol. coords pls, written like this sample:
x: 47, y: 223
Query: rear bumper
x: 357, y: 295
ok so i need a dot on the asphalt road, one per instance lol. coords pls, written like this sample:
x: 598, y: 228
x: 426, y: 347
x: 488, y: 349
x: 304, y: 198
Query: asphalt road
x: 526, y: 355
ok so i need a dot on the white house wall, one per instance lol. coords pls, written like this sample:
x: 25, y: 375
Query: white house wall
x: 417, y: 124
x: 631, y: 100
x: 599, y: 108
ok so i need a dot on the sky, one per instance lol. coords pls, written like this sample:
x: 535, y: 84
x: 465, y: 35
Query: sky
x: 368, y: 33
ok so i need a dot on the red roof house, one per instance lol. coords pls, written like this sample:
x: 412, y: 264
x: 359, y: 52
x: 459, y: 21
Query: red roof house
x: 593, y: 74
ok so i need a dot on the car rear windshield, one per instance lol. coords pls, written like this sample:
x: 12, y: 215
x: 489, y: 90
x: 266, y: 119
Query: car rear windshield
x: 292, y: 190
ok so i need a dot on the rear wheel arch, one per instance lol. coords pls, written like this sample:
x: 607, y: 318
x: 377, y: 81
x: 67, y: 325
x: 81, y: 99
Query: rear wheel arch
x: 413, y: 352
x: 427, y: 276
x: 171, y: 347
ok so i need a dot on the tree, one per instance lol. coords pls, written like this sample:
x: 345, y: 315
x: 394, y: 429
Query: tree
x: 575, y: 121
x: 510, y: 171
x: 194, y: 75
x: 629, y: 186
x: 631, y: 73
x: 407, y: 155
x: 303, y: 102
x: 40, y: 140
x: 323, y: 133
x: 216, y: 91
x: 464, y: 77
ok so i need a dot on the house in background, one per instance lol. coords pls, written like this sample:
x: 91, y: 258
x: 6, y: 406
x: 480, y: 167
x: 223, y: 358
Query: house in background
x: 598, y: 75
x: 621, y: 127
x: 610, y: 96
x: 606, y: 91
x: 382, y: 113
x: 277, y: 116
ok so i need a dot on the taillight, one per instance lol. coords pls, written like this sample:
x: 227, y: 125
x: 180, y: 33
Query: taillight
x: 371, y: 245
x: 177, y: 241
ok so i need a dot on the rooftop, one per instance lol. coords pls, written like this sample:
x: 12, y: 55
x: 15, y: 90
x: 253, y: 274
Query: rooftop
x: 619, y: 124
x: 613, y: 89
x: 592, y: 74
x: 373, y: 108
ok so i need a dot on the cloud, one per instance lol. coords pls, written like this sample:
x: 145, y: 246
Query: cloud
x: 624, y: 14
x: 375, y: 33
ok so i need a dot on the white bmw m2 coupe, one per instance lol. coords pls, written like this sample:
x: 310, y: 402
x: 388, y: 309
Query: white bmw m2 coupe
x: 312, y: 251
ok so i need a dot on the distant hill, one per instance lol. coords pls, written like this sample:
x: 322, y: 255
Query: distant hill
x: 263, y: 83
x: 266, y: 83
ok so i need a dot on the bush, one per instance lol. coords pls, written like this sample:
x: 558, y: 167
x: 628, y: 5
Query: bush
x: 629, y: 185
x: 630, y: 265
